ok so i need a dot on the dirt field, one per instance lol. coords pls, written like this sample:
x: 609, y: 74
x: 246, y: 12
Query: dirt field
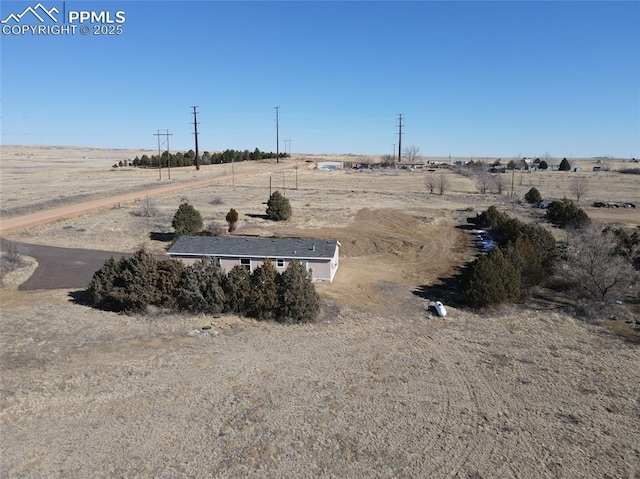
x: 378, y: 388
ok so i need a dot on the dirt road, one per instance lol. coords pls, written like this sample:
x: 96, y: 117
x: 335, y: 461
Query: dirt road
x: 70, y: 211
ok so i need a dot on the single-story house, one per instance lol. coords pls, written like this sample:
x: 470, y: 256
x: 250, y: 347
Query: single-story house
x: 319, y: 256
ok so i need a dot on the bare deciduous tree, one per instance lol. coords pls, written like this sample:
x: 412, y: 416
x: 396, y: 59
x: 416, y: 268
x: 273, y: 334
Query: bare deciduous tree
x: 430, y: 182
x: 594, y: 269
x: 443, y: 183
x: 579, y: 186
x: 499, y: 182
x: 483, y: 179
x: 411, y: 153
x: 387, y: 161
x: 147, y: 209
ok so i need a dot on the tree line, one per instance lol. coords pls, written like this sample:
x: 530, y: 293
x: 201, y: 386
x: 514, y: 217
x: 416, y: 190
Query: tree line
x: 188, y: 158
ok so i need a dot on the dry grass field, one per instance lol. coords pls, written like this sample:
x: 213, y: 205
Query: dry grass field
x: 379, y: 387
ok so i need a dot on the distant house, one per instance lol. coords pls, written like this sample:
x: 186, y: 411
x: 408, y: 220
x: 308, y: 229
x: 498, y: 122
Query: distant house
x: 319, y: 256
x: 330, y: 165
x: 419, y: 165
x: 577, y: 169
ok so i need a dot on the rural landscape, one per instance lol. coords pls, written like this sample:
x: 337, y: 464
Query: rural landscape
x: 542, y: 383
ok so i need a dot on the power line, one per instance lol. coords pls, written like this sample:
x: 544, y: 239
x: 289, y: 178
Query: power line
x: 195, y: 132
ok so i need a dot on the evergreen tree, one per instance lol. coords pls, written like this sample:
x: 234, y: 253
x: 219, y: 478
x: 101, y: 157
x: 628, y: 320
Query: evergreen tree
x: 490, y: 280
x: 237, y: 289
x: 564, y: 165
x: 126, y: 285
x: 278, y: 207
x: 566, y: 213
x: 533, y: 196
x: 232, y: 219
x: 200, y: 288
x: 187, y: 220
x: 169, y: 275
x: 263, y: 297
x: 299, y: 301
x: 527, y: 260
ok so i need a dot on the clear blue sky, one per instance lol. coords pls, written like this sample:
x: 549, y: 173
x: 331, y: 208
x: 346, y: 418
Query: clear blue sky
x: 470, y: 78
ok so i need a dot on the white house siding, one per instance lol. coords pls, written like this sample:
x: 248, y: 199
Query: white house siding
x: 322, y: 270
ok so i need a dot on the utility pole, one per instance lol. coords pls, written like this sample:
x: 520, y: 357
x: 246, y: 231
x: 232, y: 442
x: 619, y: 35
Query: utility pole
x: 168, y: 153
x: 287, y: 146
x: 195, y: 132
x: 159, y: 156
x: 277, y: 136
x: 513, y: 174
x: 400, y: 137
x: 166, y: 135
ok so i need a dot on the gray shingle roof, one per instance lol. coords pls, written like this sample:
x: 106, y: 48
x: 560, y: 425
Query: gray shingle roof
x: 239, y: 246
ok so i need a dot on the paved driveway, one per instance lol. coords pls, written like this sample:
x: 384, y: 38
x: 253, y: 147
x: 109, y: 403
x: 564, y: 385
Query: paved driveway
x: 61, y: 268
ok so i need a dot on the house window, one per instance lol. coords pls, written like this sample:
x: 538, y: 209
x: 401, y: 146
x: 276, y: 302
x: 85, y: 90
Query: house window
x: 280, y: 263
x: 246, y: 262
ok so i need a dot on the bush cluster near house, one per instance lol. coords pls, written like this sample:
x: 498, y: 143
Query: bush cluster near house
x: 525, y: 257
x: 132, y: 284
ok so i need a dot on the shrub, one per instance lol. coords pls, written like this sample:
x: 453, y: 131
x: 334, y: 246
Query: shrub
x: 630, y: 171
x: 543, y: 165
x: 232, y: 219
x: 130, y: 284
x: 564, y: 165
x: 544, y: 242
x: 237, y: 288
x: 533, y: 196
x: 278, y: 207
x: 215, y: 229
x: 200, y: 288
x: 527, y: 260
x: 565, y: 213
x: 147, y: 209
x: 169, y: 275
x: 263, y: 296
x: 490, y: 280
x: 299, y: 301
x: 187, y: 220
x: 491, y: 218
